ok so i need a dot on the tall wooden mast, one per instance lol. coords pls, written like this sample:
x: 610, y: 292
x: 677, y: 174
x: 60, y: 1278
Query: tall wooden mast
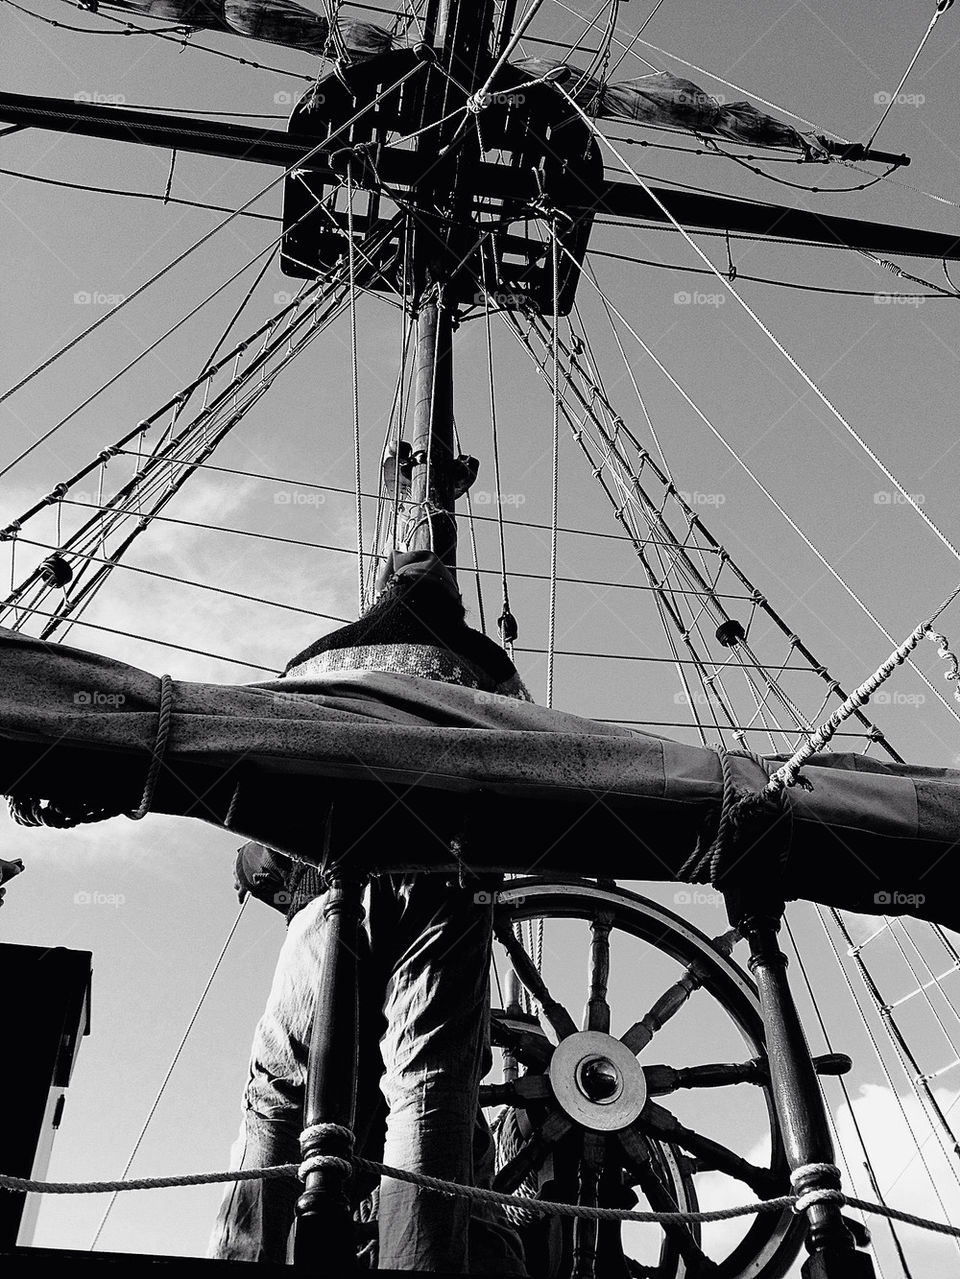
x: 462, y: 35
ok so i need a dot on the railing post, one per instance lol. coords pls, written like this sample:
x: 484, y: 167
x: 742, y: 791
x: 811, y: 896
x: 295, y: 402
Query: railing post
x: 324, y: 1237
x: 799, y: 1105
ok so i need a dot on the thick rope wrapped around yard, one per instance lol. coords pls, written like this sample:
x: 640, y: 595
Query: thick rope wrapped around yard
x: 452, y: 1189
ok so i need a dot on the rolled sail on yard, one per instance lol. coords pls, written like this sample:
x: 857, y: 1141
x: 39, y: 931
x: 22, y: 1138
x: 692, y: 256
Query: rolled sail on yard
x: 410, y: 765
x: 659, y: 99
x: 277, y: 21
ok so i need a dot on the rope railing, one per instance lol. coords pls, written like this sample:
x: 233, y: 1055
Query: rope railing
x: 456, y: 1190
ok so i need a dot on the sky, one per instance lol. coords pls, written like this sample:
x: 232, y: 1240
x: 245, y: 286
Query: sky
x: 153, y: 901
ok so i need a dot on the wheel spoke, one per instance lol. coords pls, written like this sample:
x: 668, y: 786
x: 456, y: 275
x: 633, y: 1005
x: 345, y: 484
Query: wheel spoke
x: 660, y: 1123
x: 520, y: 1093
x: 673, y: 999
x: 684, y: 1237
x: 527, y: 1042
x: 533, y: 1152
x: 584, y: 1231
x: 666, y: 1079
x: 557, y: 1016
x: 596, y: 1014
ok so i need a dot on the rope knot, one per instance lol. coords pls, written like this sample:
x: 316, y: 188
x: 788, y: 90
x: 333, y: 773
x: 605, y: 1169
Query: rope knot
x: 746, y: 817
x: 317, y: 1162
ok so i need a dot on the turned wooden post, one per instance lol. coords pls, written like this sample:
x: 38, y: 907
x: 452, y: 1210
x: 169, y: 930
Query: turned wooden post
x: 324, y: 1237
x: 799, y: 1105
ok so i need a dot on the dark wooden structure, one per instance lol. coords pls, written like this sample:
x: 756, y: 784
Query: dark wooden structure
x: 46, y: 1013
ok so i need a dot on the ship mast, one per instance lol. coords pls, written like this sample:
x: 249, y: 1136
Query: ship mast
x: 462, y: 35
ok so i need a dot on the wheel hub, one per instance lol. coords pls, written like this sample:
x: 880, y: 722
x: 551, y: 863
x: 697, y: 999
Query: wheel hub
x: 597, y: 1081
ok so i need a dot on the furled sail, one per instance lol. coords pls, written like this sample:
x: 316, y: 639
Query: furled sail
x: 277, y: 21
x: 669, y: 101
x: 518, y: 784
x: 659, y: 99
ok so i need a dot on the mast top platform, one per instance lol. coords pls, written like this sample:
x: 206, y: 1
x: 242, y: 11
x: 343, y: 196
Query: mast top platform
x: 458, y: 226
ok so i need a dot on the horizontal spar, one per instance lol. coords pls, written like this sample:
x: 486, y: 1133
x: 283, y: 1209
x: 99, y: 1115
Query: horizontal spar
x: 494, y: 182
x: 428, y: 776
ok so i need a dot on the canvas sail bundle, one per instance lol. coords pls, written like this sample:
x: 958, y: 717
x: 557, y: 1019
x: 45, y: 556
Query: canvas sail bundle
x: 670, y: 102
x: 411, y: 765
x: 660, y: 99
x: 277, y: 21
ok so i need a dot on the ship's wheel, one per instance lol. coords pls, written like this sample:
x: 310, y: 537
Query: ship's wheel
x: 592, y: 1111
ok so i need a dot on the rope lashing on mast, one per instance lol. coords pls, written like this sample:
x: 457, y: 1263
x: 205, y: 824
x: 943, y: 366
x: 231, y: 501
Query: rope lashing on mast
x: 455, y: 1190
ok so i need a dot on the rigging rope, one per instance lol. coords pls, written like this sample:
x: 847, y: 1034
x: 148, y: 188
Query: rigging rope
x: 355, y: 384
x: 506, y: 623
x: 555, y: 462
x: 348, y: 124
x: 941, y: 8
x: 782, y: 284
x: 787, y: 775
x: 170, y: 1069
x: 138, y: 195
x: 824, y: 399
x: 822, y: 559
x: 477, y: 1194
x: 918, y: 1080
x: 652, y: 514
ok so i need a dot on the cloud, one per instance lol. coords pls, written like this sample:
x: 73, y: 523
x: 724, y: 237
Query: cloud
x: 161, y: 603
x: 898, y: 1157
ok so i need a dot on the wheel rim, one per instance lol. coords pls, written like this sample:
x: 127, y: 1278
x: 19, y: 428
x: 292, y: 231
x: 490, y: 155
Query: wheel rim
x: 771, y: 1241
